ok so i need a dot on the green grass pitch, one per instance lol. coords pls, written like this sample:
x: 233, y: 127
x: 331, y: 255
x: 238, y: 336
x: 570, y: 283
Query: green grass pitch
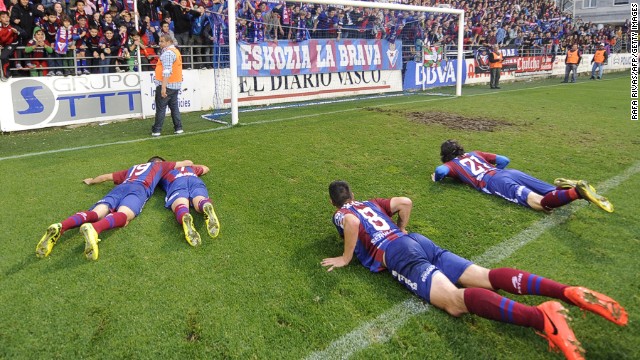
x: 258, y: 290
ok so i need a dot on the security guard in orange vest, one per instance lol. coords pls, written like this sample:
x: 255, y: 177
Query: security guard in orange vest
x: 571, y: 63
x: 168, y: 81
x: 495, y: 66
x: 598, y: 61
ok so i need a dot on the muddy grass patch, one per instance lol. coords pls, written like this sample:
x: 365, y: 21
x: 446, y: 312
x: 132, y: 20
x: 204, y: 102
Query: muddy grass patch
x: 452, y: 121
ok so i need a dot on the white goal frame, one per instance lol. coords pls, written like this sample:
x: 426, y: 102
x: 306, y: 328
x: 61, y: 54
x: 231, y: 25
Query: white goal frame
x: 233, y: 60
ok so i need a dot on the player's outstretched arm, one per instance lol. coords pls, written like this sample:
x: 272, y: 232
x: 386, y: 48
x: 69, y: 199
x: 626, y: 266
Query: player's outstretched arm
x: 98, y: 179
x: 402, y: 206
x: 351, y: 227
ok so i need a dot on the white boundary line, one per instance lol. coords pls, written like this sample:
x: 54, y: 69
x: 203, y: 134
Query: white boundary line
x: 380, y: 329
x: 133, y: 141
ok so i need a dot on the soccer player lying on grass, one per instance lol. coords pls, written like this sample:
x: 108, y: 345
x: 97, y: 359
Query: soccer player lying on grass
x: 486, y: 172
x: 123, y: 203
x: 434, y: 274
x: 183, y: 186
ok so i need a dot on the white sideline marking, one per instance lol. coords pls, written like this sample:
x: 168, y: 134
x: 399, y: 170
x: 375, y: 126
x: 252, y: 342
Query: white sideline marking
x: 93, y: 146
x: 381, y: 328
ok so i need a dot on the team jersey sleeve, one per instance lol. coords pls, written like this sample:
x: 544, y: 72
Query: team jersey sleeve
x: 499, y: 161
x: 198, y: 170
x: 120, y: 176
x: 384, y: 205
x: 338, y: 221
x: 441, y: 172
x: 502, y: 161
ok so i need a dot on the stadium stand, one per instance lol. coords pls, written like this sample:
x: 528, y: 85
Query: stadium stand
x: 534, y: 27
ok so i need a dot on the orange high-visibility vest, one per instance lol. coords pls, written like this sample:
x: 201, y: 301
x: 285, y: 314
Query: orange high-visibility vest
x: 176, y: 68
x: 599, y: 56
x: 497, y: 64
x: 573, y: 57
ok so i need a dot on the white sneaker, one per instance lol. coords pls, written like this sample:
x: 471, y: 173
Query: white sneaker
x: 179, y: 132
x: 155, y: 134
x: 86, y: 72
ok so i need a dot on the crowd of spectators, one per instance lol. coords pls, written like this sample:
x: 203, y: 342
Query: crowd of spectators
x: 44, y: 37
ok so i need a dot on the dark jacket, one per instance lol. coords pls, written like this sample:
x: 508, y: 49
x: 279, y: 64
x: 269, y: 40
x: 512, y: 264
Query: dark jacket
x: 26, y: 16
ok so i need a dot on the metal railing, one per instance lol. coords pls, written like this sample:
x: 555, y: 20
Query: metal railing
x: 217, y: 56
x: 193, y: 57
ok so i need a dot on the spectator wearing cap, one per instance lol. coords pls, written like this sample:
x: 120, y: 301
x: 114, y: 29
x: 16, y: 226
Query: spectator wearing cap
x: 598, y: 61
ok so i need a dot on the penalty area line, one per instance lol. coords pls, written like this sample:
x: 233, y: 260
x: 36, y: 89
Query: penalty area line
x: 382, y: 328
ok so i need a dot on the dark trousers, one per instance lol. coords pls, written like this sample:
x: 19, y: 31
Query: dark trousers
x: 495, y: 77
x: 570, y: 69
x: 161, y: 108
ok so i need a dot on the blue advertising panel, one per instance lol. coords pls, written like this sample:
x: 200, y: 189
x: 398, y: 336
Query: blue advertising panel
x: 285, y: 57
x: 418, y: 77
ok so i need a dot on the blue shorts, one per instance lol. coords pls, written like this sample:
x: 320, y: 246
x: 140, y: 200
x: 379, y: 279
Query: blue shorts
x: 133, y: 196
x: 186, y: 187
x: 515, y: 186
x: 413, y: 259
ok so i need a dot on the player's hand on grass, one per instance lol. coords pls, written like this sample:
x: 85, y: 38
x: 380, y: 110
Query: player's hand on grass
x: 433, y: 177
x: 88, y: 181
x: 335, y: 262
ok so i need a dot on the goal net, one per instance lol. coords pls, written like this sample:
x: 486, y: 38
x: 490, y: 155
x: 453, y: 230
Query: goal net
x: 272, y: 53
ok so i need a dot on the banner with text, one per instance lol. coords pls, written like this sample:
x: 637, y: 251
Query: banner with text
x: 418, y: 77
x: 509, y: 59
x: 317, y: 56
x: 534, y: 65
x: 53, y: 101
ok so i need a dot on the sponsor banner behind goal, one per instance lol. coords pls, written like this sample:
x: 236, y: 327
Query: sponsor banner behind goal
x: 261, y: 90
x: 317, y: 56
x: 419, y: 77
x: 54, y: 101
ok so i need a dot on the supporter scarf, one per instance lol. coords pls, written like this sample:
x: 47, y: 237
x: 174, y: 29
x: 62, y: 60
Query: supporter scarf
x: 63, y: 37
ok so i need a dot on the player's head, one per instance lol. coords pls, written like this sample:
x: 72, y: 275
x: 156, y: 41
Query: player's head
x: 340, y: 193
x: 450, y: 150
x: 155, y: 159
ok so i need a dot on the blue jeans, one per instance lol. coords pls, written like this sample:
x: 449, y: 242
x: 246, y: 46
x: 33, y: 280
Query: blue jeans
x: 600, y: 67
x: 161, y: 108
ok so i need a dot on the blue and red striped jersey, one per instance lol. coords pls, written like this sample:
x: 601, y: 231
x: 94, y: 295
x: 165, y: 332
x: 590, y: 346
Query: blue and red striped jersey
x: 470, y: 168
x: 179, y: 173
x: 147, y: 174
x: 377, y: 230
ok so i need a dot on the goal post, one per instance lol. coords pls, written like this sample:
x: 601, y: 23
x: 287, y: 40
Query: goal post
x: 233, y: 44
